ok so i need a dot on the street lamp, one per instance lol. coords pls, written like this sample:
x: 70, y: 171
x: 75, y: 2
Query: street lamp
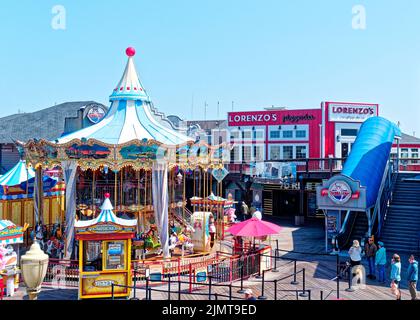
x: 34, y: 268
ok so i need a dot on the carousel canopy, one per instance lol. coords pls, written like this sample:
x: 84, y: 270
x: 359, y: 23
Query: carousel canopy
x: 18, y: 174
x: 106, y: 216
x: 10, y: 233
x: 129, y: 116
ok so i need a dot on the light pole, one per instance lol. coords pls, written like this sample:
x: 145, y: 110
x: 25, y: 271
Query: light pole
x: 320, y: 146
x: 34, y: 268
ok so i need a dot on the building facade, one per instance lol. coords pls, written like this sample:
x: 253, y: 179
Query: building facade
x: 296, y: 140
x: 283, y: 134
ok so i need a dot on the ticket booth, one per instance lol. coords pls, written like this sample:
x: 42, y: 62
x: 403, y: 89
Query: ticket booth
x: 105, y: 254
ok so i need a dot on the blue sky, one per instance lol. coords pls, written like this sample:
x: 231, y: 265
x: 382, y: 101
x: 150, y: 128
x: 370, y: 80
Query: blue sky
x: 255, y: 53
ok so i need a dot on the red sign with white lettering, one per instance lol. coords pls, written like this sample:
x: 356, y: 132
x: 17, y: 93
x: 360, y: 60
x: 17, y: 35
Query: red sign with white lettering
x: 275, y: 117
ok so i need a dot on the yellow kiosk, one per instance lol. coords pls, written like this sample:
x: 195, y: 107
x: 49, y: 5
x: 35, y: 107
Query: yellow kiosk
x: 104, y: 254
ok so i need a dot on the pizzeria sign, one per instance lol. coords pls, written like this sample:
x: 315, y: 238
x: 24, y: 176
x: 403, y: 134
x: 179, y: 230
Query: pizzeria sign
x: 348, y: 112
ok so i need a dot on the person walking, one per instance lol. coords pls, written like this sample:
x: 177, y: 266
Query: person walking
x: 245, y: 211
x: 212, y: 231
x: 412, y: 276
x: 380, y: 261
x: 396, y: 276
x: 355, y: 253
x: 370, y: 251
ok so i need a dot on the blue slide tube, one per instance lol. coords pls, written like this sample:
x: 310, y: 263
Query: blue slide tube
x: 369, y: 155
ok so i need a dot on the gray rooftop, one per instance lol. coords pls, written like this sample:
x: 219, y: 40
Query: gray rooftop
x: 407, y: 139
x: 47, y: 123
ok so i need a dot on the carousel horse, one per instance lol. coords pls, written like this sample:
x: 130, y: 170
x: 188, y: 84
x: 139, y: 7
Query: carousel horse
x: 151, y: 241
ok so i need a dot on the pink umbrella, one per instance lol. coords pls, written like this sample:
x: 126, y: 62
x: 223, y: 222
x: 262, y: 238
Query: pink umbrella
x: 254, y: 228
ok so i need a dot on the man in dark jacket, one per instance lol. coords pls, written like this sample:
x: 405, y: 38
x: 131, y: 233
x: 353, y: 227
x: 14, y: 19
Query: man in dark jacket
x: 370, y: 251
x: 412, y: 277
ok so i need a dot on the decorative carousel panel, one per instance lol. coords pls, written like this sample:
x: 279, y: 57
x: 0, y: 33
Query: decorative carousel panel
x: 198, y: 154
x: 135, y: 164
x: 220, y: 154
x: 94, y: 164
x: 85, y: 151
x: 139, y: 152
x: 182, y: 153
x: 40, y: 151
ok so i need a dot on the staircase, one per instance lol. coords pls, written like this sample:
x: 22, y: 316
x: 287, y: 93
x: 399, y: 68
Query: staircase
x: 401, y: 229
x: 184, y: 221
x: 356, y: 229
x: 360, y: 227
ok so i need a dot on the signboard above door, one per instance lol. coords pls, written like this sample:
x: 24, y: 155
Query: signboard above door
x: 351, y: 112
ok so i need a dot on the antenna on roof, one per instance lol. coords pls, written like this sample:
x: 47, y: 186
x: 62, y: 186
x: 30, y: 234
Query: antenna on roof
x: 205, y: 110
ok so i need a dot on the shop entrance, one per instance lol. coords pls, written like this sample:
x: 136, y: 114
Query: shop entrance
x: 285, y: 203
x: 346, y: 148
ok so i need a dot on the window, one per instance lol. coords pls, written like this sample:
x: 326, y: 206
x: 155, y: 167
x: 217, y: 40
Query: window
x: 274, y: 134
x: 404, y: 153
x: 92, y: 256
x: 301, y: 152
x: 115, y: 255
x: 301, y: 134
x: 246, y: 153
x: 274, y: 152
x: 258, y: 153
x: 234, y: 154
x: 349, y: 132
x: 414, y: 154
x: 287, y: 152
x: 287, y: 134
x: 246, y: 134
x: 258, y: 134
x: 234, y: 135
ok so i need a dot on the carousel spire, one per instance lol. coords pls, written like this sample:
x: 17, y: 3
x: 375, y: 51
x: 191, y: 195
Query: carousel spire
x: 129, y: 86
x: 107, y: 205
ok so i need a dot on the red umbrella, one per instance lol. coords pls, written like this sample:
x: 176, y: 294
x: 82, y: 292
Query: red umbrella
x: 254, y: 227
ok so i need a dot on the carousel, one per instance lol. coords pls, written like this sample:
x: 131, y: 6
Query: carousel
x: 141, y: 163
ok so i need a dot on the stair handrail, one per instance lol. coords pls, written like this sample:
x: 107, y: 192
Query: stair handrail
x: 384, y: 195
x: 186, y: 218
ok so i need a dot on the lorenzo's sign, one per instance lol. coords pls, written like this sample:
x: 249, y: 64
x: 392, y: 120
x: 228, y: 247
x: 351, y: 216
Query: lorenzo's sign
x: 339, y: 192
x: 267, y: 118
x: 347, y: 112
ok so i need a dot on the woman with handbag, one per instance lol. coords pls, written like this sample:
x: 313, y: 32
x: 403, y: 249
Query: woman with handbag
x: 355, y: 254
x: 396, y: 276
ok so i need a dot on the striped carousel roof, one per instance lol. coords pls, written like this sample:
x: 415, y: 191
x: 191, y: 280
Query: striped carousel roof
x: 106, y: 216
x: 18, y: 174
x: 130, y: 116
x: 10, y: 233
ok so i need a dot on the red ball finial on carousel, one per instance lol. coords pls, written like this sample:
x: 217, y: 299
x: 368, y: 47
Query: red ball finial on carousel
x: 130, y: 51
x: 107, y: 195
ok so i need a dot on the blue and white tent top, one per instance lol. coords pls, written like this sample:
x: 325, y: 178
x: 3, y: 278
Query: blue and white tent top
x: 106, y: 216
x: 18, y: 174
x: 129, y: 117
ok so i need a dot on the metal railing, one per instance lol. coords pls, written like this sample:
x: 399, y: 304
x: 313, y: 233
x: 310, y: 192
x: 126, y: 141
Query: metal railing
x: 175, y: 287
x: 305, y: 165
